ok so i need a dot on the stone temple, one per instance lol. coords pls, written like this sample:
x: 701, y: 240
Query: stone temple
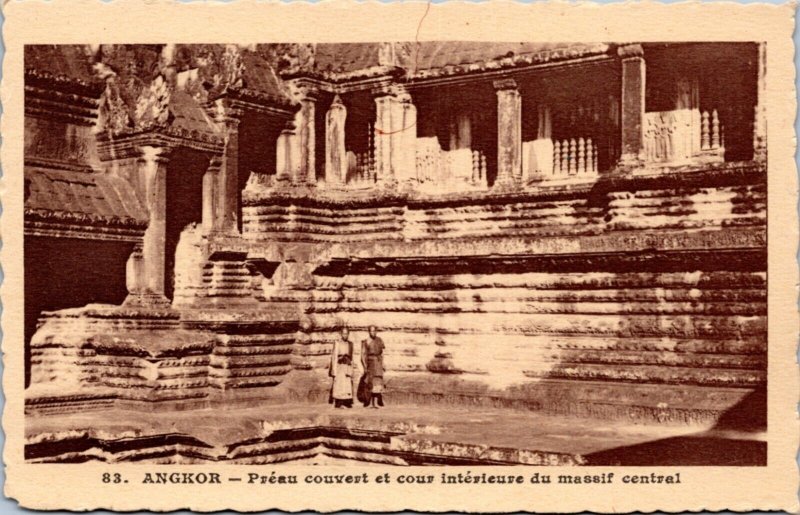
x: 562, y: 245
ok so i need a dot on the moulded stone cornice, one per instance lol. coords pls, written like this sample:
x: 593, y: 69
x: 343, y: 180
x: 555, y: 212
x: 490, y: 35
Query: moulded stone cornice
x: 61, y: 83
x: 126, y: 143
x: 70, y: 224
x: 734, y: 173
x: 354, y: 76
x: 234, y: 103
x: 64, y: 106
x: 56, y: 164
x: 85, y: 218
x: 527, y: 60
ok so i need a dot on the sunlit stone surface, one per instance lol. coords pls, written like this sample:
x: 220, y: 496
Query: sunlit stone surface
x: 546, y: 242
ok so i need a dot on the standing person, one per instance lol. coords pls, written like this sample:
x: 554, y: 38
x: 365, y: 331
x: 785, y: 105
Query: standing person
x: 372, y: 359
x: 342, y: 371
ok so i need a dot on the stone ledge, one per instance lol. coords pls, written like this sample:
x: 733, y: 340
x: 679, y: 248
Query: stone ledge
x: 397, y: 434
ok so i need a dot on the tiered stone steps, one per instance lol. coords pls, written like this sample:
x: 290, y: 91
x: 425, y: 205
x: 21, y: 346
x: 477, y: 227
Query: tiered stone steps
x: 250, y: 360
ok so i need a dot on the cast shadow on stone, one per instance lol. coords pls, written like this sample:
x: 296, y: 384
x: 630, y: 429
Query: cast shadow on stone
x: 728, y: 443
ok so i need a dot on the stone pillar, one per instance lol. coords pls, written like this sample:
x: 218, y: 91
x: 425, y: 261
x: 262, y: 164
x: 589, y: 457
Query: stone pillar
x: 306, y: 129
x: 633, y: 98
x: 147, y: 272
x: 211, y: 196
x: 407, y: 140
x: 134, y: 273
x: 509, y: 133
x: 335, y: 151
x: 395, y: 137
x: 760, y: 115
x: 284, y: 154
x: 228, y: 190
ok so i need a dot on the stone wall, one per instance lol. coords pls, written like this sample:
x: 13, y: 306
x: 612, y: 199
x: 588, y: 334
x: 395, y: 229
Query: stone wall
x: 638, y: 296
x: 645, y: 293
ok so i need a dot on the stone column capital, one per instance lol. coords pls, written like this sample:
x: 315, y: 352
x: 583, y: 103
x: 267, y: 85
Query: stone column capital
x: 227, y: 112
x: 215, y: 164
x: 159, y: 155
x: 505, y: 85
x: 394, y: 91
x: 302, y: 90
x: 337, y: 103
x: 630, y: 51
x: 289, y: 127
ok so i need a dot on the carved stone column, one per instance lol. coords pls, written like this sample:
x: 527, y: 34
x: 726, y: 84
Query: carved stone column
x: 228, y: 208
x: 285, y: 157
x: 149, y: 269
x: 407, y: 140
x: 395, y: 137
x: 306, y: 130
x: 760, y: 115
x: 335, y: 152
x: 211, y: 196
x: 633, y: 98
x: 134, y: 273
x: 509, y: 133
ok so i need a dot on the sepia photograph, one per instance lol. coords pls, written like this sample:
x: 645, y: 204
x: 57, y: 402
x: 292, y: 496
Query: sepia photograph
x: 409, y: 256
x: 398, y: 253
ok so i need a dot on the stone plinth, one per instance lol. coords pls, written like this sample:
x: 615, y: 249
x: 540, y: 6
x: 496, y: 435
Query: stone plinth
x: 144, y: 354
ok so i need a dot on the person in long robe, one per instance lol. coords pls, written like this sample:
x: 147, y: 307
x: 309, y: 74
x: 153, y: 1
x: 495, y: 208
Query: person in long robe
x: 372, y: 360
x: 341, y: 370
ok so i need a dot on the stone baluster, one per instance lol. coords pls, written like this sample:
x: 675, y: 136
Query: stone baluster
x: 705, y: 132
x: 509, y: 133
x: 557, y: 158
x: 633, y: 96
x: 335, y: 151
x: 591, y: 165
x: 573, y: 154
x: 581, y: 155
x: 715, y: 144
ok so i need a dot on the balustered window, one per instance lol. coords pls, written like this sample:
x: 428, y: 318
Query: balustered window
x: 570, y: 122
x: 360, y: 139
x: 700, y: 101
x: 456, y: 146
